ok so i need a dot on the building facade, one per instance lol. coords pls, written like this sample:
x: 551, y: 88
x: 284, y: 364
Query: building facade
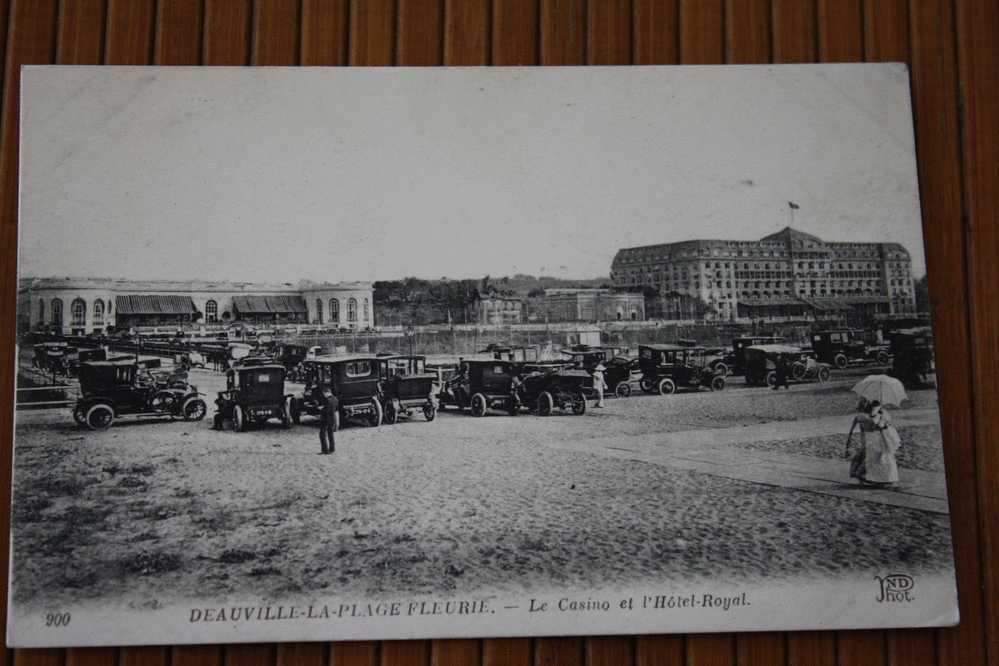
x: 494, y: 310
x: 593, y: 305
x: 786, y: 274
x: 88, y: 305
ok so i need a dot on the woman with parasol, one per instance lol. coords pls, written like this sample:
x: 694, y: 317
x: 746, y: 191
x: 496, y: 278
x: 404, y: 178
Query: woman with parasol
x: 874, y: 463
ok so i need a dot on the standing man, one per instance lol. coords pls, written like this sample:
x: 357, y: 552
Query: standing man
x: 781, y: 372
x: 599, y: 384
x: 329, y: 408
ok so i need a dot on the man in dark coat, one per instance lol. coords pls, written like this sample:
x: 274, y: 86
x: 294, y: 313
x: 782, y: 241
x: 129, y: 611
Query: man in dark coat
x: 329, y: 407
x: 780, y: 370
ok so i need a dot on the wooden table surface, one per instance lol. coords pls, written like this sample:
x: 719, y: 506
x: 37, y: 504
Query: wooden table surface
x: 952, y: 48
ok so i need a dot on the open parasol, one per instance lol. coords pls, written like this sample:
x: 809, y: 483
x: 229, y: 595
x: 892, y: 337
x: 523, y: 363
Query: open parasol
x: 886, y: 390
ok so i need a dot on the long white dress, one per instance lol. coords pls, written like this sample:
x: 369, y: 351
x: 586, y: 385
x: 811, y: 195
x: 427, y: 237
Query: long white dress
x: 881, y: 441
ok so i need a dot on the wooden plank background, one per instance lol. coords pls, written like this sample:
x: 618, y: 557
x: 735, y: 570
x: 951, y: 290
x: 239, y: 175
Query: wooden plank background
x: 952, y: 48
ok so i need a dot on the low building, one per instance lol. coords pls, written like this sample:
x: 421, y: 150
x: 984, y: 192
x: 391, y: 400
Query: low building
x: 78, y: 306
x: 493, y: 309
x: 593, y: 305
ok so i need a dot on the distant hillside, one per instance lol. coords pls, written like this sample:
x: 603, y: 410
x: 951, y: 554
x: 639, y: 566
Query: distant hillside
x: 413, y: 301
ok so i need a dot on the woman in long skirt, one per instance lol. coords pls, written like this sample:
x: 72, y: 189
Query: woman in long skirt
x: 875, y: 462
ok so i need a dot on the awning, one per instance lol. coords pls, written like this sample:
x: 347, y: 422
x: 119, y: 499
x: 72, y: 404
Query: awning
x: 269, y: 305
x: 155, y: 304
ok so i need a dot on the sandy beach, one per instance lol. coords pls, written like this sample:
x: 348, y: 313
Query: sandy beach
x: 153, y: 511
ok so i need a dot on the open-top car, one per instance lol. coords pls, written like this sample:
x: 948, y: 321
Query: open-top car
x: 545, y: 387
x: 254, y: 394
x: 354, y: 380
x: 762, y: 360
x: 481, y: 384
x: 51, y: 357
x: 111, y: 389
x: 666, y: 368
x: 407, y: 386
x: 912, y: 356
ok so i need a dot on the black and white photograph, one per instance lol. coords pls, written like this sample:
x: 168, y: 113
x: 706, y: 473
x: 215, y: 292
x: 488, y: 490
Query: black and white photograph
x: 383, y: 353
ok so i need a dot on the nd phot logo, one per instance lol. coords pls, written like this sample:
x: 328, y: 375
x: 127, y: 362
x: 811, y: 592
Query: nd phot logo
x: 895, y: 588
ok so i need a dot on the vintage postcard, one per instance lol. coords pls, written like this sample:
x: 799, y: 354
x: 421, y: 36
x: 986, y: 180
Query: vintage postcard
x: 314, y: 354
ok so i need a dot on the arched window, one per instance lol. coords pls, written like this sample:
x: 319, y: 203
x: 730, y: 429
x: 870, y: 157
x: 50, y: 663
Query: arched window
x: 352, y: 310
x: 319, y: 311
x: 211, y: 312
x: 57, y: 311
x: 41, y: 311
x: 334, y: 311
x: 78, y: 310
x: 98, y: 313
x: 366, y: 317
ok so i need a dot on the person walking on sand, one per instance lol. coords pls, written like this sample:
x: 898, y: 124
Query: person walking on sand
x: 599, y: 384
x: 329, y: 408
x: 780, y: 372
x: 874, y: 463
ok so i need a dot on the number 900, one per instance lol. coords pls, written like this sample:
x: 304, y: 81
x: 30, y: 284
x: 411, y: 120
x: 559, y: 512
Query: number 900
x: 56, y: 619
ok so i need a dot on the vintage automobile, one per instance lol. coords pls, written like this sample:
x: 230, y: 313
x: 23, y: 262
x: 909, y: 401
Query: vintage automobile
x: 761, y: 365
x: 481, y: 384
x: 407, y: 386
x: 254, y: 394
x: 511, y: 353
x: 736, y: 359
x: 51, y: 357
x: 912, y: 356
x: 621, y: 373
x: 355, y: 381
x: 843, y: 346
x: 111, y: 389
x: 544, y: 387
x: 666, y: 368
x: 289, y: 355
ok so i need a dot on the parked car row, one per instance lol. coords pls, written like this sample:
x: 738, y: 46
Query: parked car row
x: 389, y: 387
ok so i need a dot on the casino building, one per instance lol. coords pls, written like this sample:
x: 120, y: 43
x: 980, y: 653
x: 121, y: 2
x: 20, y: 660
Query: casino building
x: 789, y: 274
x: 87, y: 305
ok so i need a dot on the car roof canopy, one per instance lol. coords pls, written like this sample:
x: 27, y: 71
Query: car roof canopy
x: 776, y: 349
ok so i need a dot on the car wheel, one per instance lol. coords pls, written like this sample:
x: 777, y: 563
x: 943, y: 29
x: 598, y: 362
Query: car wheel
x: 375, y: 419
x: 622, y: 390
x: 238, y: 419
x: 646, y: 385
x: 717, y: 383
x: 721, y: 368
x: 579, y: 404
x: 882, y: 357
x: 840, y: 361
x: 100, y: 416
x: 194, y: 409
x: 824, y: 374
x: 478, y: 405
x: 429, y: 412
x: 546, y: 403
x: 295, y: 411
x: 391, y: 412
x: 798, y: 371
x: 772, y: 378
x: 667, y: 386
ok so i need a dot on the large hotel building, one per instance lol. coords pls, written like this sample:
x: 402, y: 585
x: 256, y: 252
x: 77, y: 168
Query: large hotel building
x: 90, y: 305
x: 788, y: 274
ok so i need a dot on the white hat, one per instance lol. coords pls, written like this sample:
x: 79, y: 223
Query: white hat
x: 600, y: 367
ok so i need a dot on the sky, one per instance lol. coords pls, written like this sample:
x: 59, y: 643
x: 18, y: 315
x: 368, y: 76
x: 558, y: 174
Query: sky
x: 282, y: 174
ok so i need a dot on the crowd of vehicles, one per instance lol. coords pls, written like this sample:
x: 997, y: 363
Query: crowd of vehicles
x: 375, y: 389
